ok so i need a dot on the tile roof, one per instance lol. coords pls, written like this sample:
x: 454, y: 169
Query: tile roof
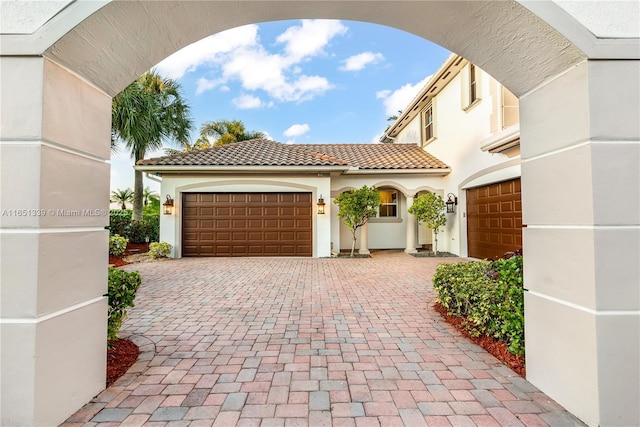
x: 380, y: 156
x: 263, y: 152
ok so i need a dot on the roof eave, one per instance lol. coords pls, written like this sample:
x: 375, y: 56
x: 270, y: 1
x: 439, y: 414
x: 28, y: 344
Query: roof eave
x: 433, y: 172
x: 246, y: 169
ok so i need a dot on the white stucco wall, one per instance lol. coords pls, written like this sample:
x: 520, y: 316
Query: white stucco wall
x: 459, y: 135
x: 170, y: 225
x: 382, y: 233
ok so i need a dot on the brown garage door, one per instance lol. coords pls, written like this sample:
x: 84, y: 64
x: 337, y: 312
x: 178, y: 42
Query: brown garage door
x: 494, y: 219
x: 246, y: 224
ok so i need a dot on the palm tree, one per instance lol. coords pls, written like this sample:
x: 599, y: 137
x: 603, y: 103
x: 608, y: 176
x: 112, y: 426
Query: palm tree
x: 199, y: 144
x: 226, y: 132
x: 145, y: 114
x: 122, y: 197
x: 149, y: 195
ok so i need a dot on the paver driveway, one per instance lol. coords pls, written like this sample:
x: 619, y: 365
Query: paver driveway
x: 319, y: 342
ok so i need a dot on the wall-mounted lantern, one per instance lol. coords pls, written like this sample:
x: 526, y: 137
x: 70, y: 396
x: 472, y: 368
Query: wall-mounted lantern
x: 451, y: 202
x: 321, y: 205
x: 168, y: 206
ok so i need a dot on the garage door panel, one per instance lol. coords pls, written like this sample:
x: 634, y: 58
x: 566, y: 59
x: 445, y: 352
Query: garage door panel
x: 222, y: 236
x: 271, y: 224
x: 287, y: 223
x: 494, y: 219
x: 254, y: 211
x: 247, y: 224
x: 271, y: 235
x: 205, y: 223
x: 270, y: 211
x: 286, y: 198
x: 222, y: 211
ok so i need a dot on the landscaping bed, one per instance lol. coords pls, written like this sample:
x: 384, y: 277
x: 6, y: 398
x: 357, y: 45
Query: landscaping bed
x: 430, y: 254
x: 132, y: 249
x: 497, y: 349
x: 484, y: 300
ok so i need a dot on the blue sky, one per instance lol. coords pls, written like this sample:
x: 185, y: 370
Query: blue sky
x: 309, y: 81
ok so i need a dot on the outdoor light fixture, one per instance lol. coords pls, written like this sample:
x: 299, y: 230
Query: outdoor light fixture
x: 321, y: 205
x: 451, y: 202
x: 168, y: 206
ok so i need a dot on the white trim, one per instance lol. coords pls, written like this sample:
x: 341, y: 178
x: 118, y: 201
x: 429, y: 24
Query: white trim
x: 501, y: 141
x: 437, y: 172
x: 582, y: 227
x: 55, y: 146
x: 32, y: 321
x: 51, y: 230
x: 245, y: 169
x: 574, y: 146
x: 502, y: 174
x: 585, y: 309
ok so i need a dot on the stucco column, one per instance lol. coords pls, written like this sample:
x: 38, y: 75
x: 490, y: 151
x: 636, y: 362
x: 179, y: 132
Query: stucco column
x: 55, y: 134
x: 364, y: 240
x: 581, y: 206
x: 411, y: 228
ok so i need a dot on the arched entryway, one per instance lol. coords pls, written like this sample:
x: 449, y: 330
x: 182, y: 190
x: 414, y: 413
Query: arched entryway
x: 580, y: 150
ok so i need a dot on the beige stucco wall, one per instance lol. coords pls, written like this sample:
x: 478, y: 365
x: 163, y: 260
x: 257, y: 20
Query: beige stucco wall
x: 170, y: 225
x: 459, y: 134
x: 382, y: 233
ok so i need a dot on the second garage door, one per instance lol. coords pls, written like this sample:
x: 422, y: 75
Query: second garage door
x: 494, y: 219
x: 246, y: 224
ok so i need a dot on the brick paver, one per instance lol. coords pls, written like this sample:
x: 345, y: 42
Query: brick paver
x: 300, y: 341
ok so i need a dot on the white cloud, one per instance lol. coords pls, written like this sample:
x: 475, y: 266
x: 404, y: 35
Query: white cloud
x: 207, y: 50
x: 400, y: 98
x: 205, y: 85
x: 310, y: 38
x: 297, y: 130
x: 247, y: 102
x: 361, y: 60
x: 244, y: 59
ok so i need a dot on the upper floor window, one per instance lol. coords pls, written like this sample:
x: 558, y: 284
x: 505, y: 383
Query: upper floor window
x: 428, y: 125
x: 388, y: 204
x: 473, y: 84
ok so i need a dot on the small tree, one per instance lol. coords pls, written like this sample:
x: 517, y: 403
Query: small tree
x: 428, y: 209
x: 356, y: 207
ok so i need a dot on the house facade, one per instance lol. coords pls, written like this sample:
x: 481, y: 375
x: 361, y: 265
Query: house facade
x: 466, y: 118
x: 261, y: 197
x: 458, y: 138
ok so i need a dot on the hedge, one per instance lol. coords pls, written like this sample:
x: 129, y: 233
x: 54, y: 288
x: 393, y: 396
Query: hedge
x: 489, y: 295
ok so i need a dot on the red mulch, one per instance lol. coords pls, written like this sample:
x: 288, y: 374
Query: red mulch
x: 132, y: 248
x: 121, y: 355
x: 498, y: 349
x: 122, y: 352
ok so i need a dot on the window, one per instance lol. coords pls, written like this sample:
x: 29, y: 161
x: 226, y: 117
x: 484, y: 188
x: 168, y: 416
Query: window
x: 388, y: 204
x: 473, y: 84
x: 427, y: 124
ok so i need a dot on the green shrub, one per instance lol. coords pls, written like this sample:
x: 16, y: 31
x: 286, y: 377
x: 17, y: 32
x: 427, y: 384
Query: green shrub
x: 138, y: 231
x: 153, y: 227
x: 122, y: 292
x: 117, y: 245
x: 119, y: 220
x: 489, y: 295
x: 159, y: 250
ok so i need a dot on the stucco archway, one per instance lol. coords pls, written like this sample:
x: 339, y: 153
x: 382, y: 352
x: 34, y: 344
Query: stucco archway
x: 580, y: 154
